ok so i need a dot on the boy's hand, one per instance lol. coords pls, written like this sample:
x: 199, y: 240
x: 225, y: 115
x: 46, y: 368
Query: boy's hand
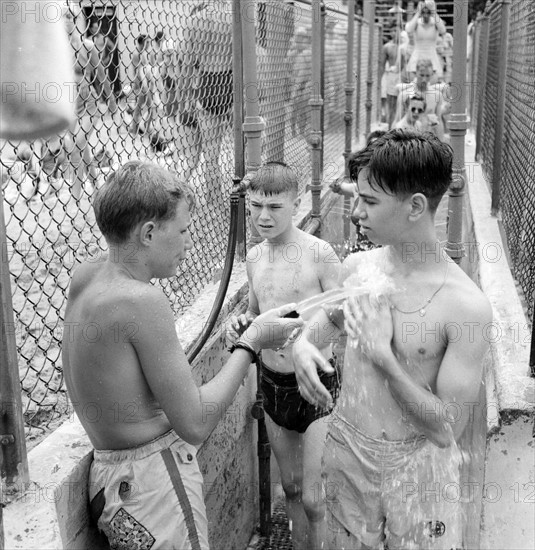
x: 272, y: 330
x: 236, y: 326
x: 369, y: 322
x: 336, y: 185
x: 307, y: 359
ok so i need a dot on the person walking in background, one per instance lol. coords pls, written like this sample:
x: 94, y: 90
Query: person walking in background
x: 426, y: 26
x: 414, y: 110
x: 143, y: 87
x: 433, y: 94
x: 392, y: 65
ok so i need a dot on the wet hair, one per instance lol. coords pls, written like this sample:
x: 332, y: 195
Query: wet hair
x: 137, y: 192
x: 273, y: 178
x: 141, y: 39
x: 424, y: 63
x: 372, y: 136
x: 159, y: 36
x: 404, y: 162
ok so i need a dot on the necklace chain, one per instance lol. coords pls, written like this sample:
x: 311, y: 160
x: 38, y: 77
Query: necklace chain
x: 423, y: 310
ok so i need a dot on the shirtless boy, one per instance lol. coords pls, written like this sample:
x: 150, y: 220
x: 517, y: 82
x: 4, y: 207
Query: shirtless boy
x: 127, y: 376
x: 290, y: 265
x: 413, y: 361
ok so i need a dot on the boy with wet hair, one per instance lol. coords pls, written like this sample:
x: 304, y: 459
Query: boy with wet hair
x: 290, y: 265
x: 123, y: 362
x: 413, y: 360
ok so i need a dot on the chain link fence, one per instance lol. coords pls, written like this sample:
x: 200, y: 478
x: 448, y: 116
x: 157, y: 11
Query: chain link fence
x: 517, y: 185
x: 154, y: 82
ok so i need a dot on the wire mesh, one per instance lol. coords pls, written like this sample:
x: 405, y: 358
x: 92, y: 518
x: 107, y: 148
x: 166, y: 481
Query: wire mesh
x: 491, y: 92
x: 335, y: 78
x: 518, y: 165
x: 284, y: 54
x: 154, y: 82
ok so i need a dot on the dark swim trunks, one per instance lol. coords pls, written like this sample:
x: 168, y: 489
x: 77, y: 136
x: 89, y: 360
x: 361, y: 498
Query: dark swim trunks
x: 215, y: 91
x: 283, y: 402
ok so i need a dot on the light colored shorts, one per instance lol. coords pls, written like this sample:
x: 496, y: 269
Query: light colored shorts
x: 403, y: 494
x: 150, y: 497
x: 389, y: 81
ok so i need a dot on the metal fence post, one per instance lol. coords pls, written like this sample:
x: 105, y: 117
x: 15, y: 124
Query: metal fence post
x: 254, y: 124
x: 13, y: 457
x: 358, y: 72
x: 348, y: 115
x: 316, y: 104
x: 458, y: 124
x: 369, y: 15
x: 482, y: 80
x: 239, y: 152
x: 350, y: 83
x: 500, y: 107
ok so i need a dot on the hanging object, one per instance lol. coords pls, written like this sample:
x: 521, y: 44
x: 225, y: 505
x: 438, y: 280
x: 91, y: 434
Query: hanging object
x: 37, y: 78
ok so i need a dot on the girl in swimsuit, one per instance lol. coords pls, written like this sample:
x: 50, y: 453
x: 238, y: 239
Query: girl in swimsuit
x: 426, y: 26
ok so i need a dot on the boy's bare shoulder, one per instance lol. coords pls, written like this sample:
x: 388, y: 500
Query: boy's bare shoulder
x: 467, y: 301
x: 317, y: 247
x: 128, y: 293
x: 353, y: 261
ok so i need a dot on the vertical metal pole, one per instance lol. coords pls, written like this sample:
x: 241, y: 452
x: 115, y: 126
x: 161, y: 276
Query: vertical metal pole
x: 323, y: 27
x: 500, y: 107
x: 253, y: 125
x: 350, y: 83
x: 532, y: 352
x: 358, y: 71
x: 239, y: 153
x: 13, y: 457
x: 348, y: 115
x: 378, y: 79
x: 369, y: 15
x: 316, y: 104
x: 458, y: 124
x: 481, y: 85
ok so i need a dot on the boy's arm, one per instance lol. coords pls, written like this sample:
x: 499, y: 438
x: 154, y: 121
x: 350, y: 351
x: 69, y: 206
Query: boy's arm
x: 194, y: 411
x: 319, y: 332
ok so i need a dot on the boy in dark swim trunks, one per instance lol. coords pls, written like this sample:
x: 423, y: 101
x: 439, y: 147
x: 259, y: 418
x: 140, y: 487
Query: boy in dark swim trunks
x: 289, y: 265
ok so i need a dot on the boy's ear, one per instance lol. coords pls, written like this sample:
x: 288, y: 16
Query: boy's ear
x: 146, y: 232
x: 418, y: 206
x: 297, y: 202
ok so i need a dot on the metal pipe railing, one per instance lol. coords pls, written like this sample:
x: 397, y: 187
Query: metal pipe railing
x: 458, y: 124
x: 239, y: 145
x: 316, y: 104
x: 253, y: 127
x: 482, y: 72
x: 369, y: 15
x: 13, y: 455
x: 348, y: 114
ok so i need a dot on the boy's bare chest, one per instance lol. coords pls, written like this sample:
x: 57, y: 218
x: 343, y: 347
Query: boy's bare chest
x: 284, y: 278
